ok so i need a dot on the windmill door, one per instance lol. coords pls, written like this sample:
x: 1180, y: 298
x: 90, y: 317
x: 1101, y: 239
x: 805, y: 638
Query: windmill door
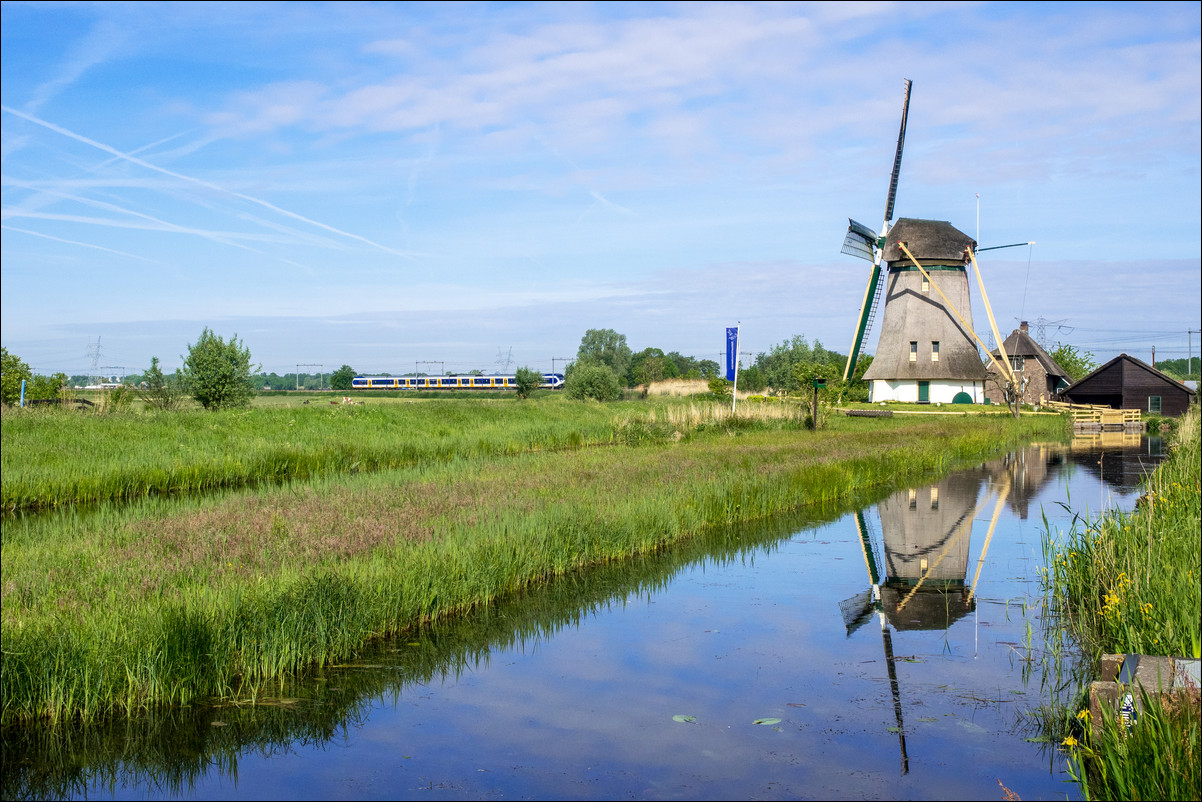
x: 924, y: 392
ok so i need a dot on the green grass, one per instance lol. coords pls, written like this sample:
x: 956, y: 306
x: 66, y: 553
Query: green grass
x: 166, y: 602
x: 1132, y: 584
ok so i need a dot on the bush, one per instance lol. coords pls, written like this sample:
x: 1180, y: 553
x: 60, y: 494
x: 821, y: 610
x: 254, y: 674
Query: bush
x: 592, y: 380
x: 720, y: 388
x: 45, y: 388
x: 217, y: 373
x: 158, y: 390
x: 527, y: 381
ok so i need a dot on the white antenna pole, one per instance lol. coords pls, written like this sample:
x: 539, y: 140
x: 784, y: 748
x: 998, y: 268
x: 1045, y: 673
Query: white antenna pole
x: 978, y: 218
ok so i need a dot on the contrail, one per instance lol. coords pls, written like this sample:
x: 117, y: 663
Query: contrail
x: 216, y: 236
x: 81, y: 244
x: 135, y: 160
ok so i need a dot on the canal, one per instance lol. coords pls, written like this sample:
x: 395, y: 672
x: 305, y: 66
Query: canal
x: 890, y: 652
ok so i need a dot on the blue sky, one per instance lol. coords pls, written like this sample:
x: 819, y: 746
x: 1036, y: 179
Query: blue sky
x: 386, y: 184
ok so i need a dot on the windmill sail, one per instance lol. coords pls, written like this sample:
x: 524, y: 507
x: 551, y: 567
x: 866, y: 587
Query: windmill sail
x: 860, y: 241
x: 901, y: 141
x: 857, y: 243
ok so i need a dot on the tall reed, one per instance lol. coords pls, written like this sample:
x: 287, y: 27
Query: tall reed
x: 1132, y: 584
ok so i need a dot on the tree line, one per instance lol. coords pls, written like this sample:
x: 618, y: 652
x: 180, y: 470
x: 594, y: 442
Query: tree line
x: 605, y: 364
x: 218, y: 374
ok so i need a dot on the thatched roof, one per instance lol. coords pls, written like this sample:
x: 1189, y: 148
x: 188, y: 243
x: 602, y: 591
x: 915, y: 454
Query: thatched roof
x: 935, y: 242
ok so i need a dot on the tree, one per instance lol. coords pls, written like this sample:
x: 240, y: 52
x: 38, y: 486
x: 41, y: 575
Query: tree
x: 589, y: 379
x: 527, y: 381
x: 805, y: 375
x: 607, y: 347
x: 777, y: 364
x: 12, y: 371
x: 1077, y: 364
x: 160, y: 391
x: 650, y: 365
x: 217, y: 373
x: 751, y: 380
x: 342, y: 378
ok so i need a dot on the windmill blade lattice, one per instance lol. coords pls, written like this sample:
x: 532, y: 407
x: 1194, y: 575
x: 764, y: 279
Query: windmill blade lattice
x: 864, y: 243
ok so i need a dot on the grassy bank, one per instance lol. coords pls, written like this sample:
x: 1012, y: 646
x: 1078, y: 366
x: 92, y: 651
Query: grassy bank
x: 1132, y: 584
x: 168, y: 602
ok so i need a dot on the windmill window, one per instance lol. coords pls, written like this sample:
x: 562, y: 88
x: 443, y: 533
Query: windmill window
x: 934, y: 498
x: 1154, y: 404
x: 935, y: 351
x: 913, y: 498
x: 926, y: 284
x: 913, y: 350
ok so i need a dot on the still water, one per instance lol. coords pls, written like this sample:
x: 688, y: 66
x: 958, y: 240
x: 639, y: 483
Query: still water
x: 887, y: 653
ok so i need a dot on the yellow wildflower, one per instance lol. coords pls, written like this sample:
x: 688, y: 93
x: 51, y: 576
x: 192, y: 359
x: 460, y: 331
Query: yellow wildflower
x: 1070, y: 742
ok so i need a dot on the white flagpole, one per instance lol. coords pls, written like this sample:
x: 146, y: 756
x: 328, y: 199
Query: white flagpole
x: 734, y: 392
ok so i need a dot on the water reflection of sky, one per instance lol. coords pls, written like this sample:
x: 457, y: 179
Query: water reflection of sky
x: 587, y: 711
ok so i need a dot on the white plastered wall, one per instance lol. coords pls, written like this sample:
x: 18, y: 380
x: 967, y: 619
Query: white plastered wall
x: 941, y: 392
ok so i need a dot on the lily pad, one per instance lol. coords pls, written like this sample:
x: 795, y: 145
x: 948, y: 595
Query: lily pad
x: 766, y: 721
x: 684, y: 719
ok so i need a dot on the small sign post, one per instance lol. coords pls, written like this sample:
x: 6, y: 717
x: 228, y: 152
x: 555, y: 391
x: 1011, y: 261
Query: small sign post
x: 818, y: 384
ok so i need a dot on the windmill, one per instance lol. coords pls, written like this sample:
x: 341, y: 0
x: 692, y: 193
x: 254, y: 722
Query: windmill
x: 927, y: 351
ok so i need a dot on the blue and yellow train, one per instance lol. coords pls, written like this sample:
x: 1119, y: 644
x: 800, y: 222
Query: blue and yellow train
x: 550, y: 381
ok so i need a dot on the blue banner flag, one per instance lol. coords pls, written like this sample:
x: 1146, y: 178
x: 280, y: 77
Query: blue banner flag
x: 732, y: 352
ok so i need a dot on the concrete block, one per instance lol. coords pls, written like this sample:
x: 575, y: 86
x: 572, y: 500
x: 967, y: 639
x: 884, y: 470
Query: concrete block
x: 1172, y: 680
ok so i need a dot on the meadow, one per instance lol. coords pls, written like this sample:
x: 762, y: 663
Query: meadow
x: 136, y: 592
x: 51, y: 459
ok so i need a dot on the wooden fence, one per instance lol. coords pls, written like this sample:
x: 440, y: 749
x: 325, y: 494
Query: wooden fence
x: 1093, y: 416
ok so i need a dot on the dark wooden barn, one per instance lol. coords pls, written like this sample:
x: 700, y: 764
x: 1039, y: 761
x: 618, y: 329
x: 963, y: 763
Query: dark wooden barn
x: 1127, y: 383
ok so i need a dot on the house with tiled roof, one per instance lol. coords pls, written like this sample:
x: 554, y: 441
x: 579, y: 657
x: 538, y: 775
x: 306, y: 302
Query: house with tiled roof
x: 1045, y: 379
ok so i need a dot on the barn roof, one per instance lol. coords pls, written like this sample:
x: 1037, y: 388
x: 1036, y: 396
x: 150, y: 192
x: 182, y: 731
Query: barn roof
x: 936, y: 242
x: 1128, y: 358
x: 1019, y: 343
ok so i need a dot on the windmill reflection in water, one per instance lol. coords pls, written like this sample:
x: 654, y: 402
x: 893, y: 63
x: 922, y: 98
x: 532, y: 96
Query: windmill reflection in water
x: 920, y: 582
